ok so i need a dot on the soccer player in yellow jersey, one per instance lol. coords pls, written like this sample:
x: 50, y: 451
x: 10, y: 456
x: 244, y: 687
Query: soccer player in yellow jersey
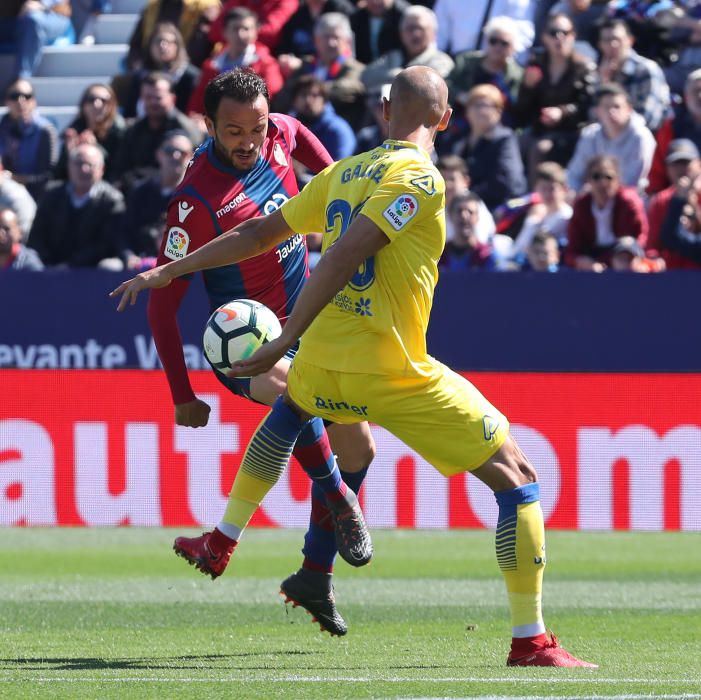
x: 362, y: 319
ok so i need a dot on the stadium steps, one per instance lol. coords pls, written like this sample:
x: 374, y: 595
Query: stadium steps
x: 115, y: 28
x: 64, y: 91
x: 81, y: 61
x: 128, y: 7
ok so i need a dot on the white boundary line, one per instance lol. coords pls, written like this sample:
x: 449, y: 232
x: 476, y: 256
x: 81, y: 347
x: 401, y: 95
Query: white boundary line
x: 348, y: 679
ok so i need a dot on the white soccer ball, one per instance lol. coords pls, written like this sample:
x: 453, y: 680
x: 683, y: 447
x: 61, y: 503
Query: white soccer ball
x: 236, y: 330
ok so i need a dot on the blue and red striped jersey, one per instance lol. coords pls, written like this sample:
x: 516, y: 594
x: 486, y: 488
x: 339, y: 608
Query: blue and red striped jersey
x: 213, y: 198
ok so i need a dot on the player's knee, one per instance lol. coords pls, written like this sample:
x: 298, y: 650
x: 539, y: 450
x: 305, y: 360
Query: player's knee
x: 366, y: 453
x: 358, y: 455
x: 507, y: 469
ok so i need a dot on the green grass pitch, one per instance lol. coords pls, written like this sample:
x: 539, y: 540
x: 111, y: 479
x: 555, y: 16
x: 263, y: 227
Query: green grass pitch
x: 114, y: 614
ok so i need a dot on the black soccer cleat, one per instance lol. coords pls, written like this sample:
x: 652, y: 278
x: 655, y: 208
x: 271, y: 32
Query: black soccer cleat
x: 313, y: 592
x: 352, y: 536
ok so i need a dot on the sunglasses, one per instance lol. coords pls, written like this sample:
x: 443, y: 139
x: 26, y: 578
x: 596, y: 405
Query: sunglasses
x: 171, y: 150
x: 495, y: 41
x: 601, y: 176
x: 560, y: 32
x: 14, y: 96
x: 92, y: 99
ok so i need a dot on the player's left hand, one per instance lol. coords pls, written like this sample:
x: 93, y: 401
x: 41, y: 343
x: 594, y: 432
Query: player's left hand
x: 151, y: 279
x: 262, y: 360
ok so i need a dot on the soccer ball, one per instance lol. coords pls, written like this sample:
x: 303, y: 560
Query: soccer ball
x: 236, y: 330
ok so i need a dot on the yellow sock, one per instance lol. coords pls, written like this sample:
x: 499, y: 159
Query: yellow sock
x: 265, y: 459
x: 520, y: 546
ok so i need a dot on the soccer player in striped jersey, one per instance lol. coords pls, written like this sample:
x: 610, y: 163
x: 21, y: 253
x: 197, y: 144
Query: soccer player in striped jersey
x: 370, y: 297
x: 244, y: 170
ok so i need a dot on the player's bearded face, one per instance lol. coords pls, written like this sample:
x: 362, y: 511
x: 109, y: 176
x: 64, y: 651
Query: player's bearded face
x: 240, y: 131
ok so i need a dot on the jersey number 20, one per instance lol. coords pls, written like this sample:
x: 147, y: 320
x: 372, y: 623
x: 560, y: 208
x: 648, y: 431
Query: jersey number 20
x: 340, y: 212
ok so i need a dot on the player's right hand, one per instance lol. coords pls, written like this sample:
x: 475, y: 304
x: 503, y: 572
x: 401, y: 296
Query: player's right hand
x: 193, y: 414
x: 262, y: 360
x: 150, y: 279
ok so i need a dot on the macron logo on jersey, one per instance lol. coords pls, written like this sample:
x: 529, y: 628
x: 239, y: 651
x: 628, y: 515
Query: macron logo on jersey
x: 184, y: 211
x: 401, y: 211
x: 231, y: 204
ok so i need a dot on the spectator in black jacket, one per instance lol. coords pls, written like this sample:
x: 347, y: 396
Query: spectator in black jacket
x: 78, y: 223
x: 372, y: 41
x: 297, y: 37
x: 147, y: 203
x: 555, y: 96
x: 28, y: 141
x: 166, y: 54
x: 490, y: 149
x: 137, y: 156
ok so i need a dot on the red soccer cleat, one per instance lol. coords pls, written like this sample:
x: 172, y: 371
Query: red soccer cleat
x: 552, y: 654
x: 209, y: 553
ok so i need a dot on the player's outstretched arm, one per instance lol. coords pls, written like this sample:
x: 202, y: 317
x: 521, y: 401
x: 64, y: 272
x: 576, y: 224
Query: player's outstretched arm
x: 335, y: 269
x: 247, y: 240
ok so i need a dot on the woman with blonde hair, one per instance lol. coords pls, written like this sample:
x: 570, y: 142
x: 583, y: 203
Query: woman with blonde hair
x: 98, y: 123
x: 167, y: 54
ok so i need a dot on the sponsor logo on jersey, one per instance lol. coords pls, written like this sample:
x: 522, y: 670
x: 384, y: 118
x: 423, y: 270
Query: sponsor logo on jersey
x: 177, y: 243
x: 490, y: 426
x: 425, y: 183
x: 288, y: 246
x: 184, y: 210
x: 332, y: 405
x: 362, y: 307
x: 279, y: 155
x: 275, y: 202
x: 402, y: 210
x: 231, y: 204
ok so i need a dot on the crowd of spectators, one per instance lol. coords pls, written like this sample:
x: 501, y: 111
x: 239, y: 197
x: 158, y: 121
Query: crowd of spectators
x: 574, y: 142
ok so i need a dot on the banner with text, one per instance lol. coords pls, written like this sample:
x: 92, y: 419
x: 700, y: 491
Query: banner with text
x: 99, y: 448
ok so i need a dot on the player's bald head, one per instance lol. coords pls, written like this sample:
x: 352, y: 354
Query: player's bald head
x: 419, y: 97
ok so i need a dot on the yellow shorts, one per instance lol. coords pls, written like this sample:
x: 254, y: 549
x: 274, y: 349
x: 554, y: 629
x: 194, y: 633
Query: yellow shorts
x: 442, y: 417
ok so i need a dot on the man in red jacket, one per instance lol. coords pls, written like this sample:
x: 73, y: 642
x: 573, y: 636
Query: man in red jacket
x: 243, y: 50
x: 273, y: 13
x: 683, y: 160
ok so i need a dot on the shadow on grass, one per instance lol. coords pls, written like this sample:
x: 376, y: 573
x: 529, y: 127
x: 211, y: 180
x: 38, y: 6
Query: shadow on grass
x: 170, y: 662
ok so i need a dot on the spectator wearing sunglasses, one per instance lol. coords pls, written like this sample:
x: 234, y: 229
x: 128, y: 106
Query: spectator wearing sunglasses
x: 606, y: 212
x: 495, y: 65
x: 461, y: 22
x: 28, y: 141
x: 98, y: 123
x: 555, y: 95
x: 619, y: 132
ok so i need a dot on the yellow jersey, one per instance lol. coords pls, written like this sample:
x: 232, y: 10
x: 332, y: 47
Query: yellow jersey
x: 377, y: 323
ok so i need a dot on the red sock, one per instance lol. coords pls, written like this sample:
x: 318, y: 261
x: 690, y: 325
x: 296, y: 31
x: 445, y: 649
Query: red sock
x: 523, y: 646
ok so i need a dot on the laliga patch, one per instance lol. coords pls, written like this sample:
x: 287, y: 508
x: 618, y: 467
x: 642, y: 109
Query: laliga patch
x: 401, y: 211
x: 177, y: 243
